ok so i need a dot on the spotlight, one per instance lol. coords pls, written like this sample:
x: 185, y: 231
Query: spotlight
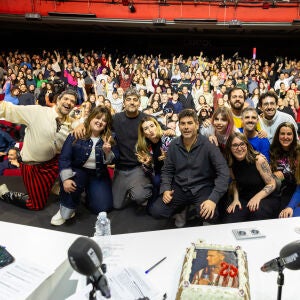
x: 131, y: 8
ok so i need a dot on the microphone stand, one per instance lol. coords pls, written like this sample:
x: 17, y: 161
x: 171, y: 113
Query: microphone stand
x: 92, y: 295
x: 280, y: 282
x: 99, y: 285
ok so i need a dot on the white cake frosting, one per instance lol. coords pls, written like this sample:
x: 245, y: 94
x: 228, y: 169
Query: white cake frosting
x: 189, y: 291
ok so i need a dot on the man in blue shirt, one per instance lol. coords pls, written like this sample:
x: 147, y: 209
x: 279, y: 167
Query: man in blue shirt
x: 250, y: 120
x: 12, y: 161
x: 6, y: 142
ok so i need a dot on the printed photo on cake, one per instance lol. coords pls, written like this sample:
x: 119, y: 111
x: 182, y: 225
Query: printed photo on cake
x: 215, y: 267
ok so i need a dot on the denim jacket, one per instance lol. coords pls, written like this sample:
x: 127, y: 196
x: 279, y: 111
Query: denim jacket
x: 74, y: 154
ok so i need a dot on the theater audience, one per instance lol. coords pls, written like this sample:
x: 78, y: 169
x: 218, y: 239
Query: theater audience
x: 13, y: 160
x: 6, y: 142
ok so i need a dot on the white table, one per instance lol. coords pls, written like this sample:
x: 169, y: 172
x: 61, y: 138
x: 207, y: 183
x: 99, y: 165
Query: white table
x: 43, y: 247
x: 145, y: 248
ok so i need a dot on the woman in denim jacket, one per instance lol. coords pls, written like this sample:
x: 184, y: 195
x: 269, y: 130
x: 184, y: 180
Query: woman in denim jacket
x: 83, y: 167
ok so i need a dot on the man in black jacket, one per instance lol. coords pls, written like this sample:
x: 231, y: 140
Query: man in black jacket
x: 195, y: 172
x: 186, y: 98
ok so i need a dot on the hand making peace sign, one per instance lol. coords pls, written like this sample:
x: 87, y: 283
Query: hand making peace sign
x: 107, y: 145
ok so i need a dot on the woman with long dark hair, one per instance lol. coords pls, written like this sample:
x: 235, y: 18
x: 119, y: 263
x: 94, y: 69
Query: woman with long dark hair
x: 284, y: 151
x: 293, y: 208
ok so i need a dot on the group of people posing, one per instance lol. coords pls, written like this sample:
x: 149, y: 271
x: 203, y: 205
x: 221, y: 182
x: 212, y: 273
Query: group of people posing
x: 228, y: 176
x: 222, y: 158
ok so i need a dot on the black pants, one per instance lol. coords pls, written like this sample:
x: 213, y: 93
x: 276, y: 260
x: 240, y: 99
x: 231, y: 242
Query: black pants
x: 182, y: 197
x: 268, y: 209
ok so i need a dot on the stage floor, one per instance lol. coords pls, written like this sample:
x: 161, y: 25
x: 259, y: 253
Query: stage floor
x: 127, y: 220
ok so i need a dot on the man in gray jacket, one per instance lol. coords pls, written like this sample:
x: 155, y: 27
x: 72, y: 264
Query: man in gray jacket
x: 195, y: 172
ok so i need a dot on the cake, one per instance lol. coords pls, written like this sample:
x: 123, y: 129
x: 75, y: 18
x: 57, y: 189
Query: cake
x: 214, y: 272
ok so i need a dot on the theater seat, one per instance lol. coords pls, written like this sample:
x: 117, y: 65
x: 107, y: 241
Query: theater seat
x: 19, y: 145
x: 12, y: 172
x: 111, y: 170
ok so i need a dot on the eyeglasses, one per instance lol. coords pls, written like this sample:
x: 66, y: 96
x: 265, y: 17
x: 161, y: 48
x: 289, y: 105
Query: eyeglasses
x: 236, y: 146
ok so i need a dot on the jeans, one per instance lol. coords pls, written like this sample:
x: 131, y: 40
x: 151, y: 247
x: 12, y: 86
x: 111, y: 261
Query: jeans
x: 98, y: 191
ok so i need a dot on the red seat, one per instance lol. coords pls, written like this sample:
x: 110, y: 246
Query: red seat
x: 12, y: 172
x: 111, y: 171
x: 19, y: 145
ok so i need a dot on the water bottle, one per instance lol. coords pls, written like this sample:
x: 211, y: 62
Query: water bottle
x: 102, y: 226
x: 102, y: 229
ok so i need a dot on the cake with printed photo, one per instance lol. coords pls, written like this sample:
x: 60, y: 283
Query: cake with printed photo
x: 214, y: 272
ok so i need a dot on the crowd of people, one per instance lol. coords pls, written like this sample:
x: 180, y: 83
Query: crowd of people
x: 215, y: 138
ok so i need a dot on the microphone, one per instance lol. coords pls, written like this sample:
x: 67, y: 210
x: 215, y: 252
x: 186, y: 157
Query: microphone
x: 289, y: 257
x: 85, y: 257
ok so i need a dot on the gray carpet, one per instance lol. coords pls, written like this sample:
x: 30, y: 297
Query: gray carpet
x: 128, y: 220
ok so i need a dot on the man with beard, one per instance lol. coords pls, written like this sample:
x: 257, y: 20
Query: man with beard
x: 250, y: 121
x: 237, y: 102
x: 194, y: 172
x: 47, y: 129
x: 271, y: 118
x: 237, y: 98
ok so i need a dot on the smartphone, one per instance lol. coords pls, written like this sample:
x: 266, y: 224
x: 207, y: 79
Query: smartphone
x: 5, y: 257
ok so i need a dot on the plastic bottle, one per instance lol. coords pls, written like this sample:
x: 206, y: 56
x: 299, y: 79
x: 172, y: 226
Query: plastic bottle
x: 102, y: 226
x: 103, y: 234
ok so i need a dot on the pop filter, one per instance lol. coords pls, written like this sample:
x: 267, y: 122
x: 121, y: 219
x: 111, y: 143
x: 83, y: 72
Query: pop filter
x: 291, y: 255
x: 85, y: 257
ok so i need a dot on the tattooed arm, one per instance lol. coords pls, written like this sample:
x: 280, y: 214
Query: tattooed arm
x: 266, y: 174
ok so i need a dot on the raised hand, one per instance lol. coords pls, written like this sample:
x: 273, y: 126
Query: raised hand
x: 107, y: 145
x: 144, y: 158
x: 163, y: 154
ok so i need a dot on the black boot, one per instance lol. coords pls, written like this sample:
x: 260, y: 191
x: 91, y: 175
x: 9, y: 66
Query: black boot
x: 16, y: 198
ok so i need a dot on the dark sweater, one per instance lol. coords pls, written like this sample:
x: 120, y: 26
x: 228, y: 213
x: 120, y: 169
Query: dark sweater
x: 126, y: 130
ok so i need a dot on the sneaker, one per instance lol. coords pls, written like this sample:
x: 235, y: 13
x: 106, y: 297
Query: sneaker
x: 58, y: 220
x: 180, y: 219
x: 3, y: 189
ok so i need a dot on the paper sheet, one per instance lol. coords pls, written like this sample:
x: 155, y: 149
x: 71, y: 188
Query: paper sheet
x: 125, y: 284
x: 20, y: 279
